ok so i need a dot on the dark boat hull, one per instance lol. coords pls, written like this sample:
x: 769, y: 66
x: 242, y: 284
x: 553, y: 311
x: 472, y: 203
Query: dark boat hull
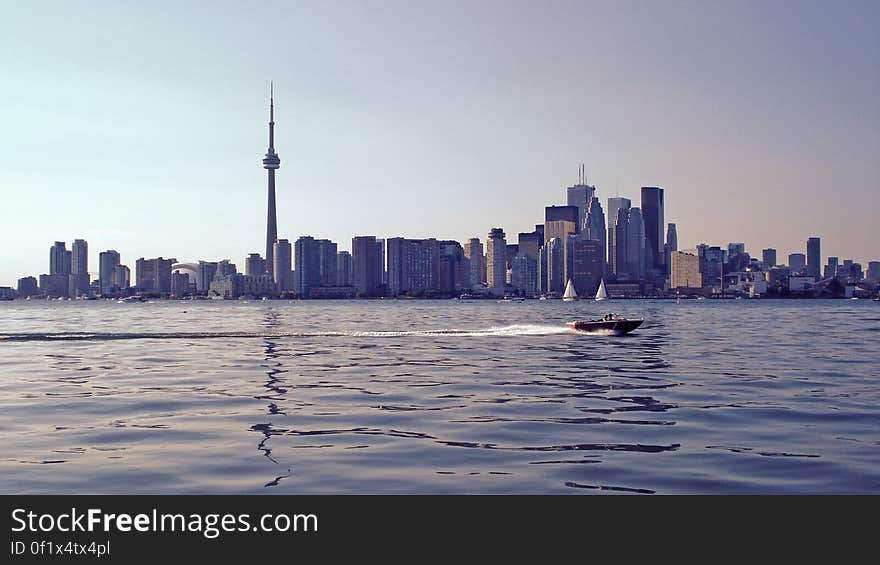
x: 609, y: 327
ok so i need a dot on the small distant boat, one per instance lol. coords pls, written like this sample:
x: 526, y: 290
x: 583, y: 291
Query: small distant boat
x: 610, y: 324
x: 542, y: 297
x: 130, y: 299
x: 601, y: 294
x: 570, y: 293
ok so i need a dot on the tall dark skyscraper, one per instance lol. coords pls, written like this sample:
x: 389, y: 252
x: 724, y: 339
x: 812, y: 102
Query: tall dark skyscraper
x: 814, y: 257
x: 584, y: 259
x: 367, y: 265
x: 652, y: 214
x: 270, y: 163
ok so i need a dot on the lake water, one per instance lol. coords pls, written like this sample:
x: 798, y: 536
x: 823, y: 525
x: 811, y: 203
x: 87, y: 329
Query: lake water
x: 411, y: 396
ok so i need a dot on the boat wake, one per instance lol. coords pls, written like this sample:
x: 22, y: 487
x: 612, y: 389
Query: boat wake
x: 499, y: 331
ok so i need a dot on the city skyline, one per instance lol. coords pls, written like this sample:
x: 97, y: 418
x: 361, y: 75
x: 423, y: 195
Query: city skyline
x: 113, y: 164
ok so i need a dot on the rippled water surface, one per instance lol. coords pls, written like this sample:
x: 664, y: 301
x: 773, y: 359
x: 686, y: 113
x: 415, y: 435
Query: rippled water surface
x: 439, y: 397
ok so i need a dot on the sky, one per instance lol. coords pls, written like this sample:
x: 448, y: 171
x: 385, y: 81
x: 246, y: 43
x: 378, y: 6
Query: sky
x: 139, y: 126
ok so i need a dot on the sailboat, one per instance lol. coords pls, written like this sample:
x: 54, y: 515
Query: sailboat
x: 570, y: 293
x: 601, y: 294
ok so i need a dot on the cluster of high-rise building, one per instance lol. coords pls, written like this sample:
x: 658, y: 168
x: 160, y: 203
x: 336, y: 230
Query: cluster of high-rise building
x: 631, y: 248
x: 713, y: 270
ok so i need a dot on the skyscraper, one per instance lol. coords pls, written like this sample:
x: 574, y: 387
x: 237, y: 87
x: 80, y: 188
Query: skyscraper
x: 343, y: 268
x: 555, y: 254
x: 473, y: 251
x: 615, y: 205
x: 594, y: 228
x: 413, y: 265
x: 652, y: 214
x: 580, y: 196
x: 634, y: 256
x: 79, y: 264
x: 308, y: 260
x: 768, y: 256
x: 797, y: 263
x: 27, y: 286
x: 529, y: 243
x: 78, y: 282
x: 685, y: 270
x: 205, y: 274
x: 560, y: 221
x: 711, y: 265
x: 154, y: 275
x: 541, y: 271
x: 452, y: 273
x: 271, y: 162
x: 225, y: 268
x: 496, y: 261
x: 282, y: 258
x: 831, y: 268
x: 367, y: 265
x: 121, y: 277
x: 59, y: 259
x: 584, y: 260
x: 107, y: 263
x: 671, y: 243
x: 523, y: 274
x: 327, y: 251
x: 383, y: 272
x: 254, y: 265
x: 814, y: 257
x: 510, y: 252
x: 179, y: 283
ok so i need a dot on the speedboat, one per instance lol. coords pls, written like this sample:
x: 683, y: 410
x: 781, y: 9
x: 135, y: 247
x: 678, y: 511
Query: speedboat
x: 610, y: 324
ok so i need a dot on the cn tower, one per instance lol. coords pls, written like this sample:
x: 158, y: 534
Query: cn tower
x: 270, y: 163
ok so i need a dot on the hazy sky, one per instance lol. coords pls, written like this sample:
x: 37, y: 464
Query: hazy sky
x: 140, y: 126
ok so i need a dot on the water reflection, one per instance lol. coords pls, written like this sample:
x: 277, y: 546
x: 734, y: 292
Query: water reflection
x: 428, y: 397
x: 273, y: 369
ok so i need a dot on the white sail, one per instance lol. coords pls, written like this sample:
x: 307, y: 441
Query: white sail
x: 601, y: 294
x: 570, y: 293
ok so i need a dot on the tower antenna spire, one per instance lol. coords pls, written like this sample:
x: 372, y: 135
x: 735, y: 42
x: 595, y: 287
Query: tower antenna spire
x: 271, y: 117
